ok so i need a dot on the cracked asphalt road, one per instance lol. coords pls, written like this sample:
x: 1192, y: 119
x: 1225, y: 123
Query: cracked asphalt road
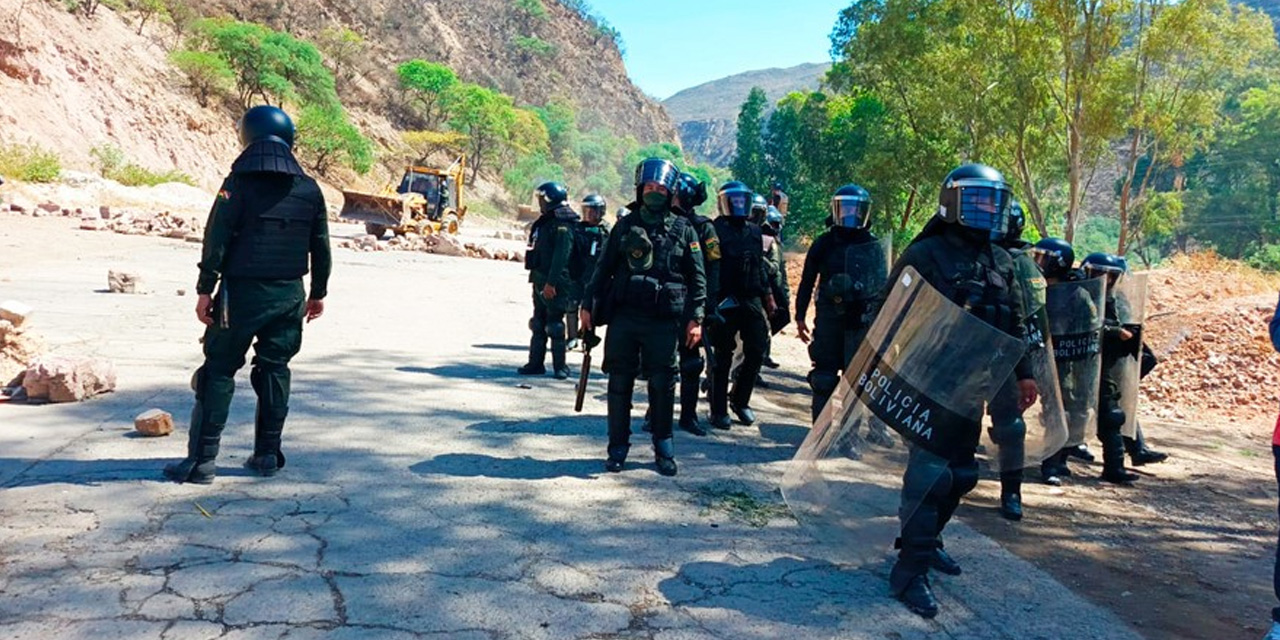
x: 428, y: 495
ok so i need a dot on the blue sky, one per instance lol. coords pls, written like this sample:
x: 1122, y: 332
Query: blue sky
x: 676, y: 44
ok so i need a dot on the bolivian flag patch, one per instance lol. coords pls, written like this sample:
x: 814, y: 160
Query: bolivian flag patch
x: 695, y: 247
x: 223, y: 194
x: 713, y: 249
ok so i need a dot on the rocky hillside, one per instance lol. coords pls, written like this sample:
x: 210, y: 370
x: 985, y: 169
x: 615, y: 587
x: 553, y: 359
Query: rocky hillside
x: 70, y: 82
x: 707, y: 114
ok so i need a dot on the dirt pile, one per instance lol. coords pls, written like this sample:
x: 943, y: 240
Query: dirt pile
x: 1207, y: 323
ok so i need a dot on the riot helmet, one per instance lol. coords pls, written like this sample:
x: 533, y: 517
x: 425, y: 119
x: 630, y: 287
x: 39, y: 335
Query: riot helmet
x: 594, y: 207
x: 1017, y: 222
x: 851, y: 207
x: 759, y: 208
x: 550, y: 196
x: 658, y: 172
x: 734, y: 200
x: 1105, y: 264
x: 773, y: 221
x: 977, y: 197
x: 690, y: 193
x: 1055, y: 257
x: 266, y: 123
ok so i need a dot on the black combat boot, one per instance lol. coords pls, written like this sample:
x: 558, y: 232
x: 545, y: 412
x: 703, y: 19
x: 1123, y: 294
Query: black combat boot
x: 1139, y: 454
x: 620, y: 389
x: 944, y: 563
x: 912, y: 589
x: 537, y: 356
x: 689, y: 405
x: 208, y: 418
x: 1080, y: 451
x: 1011, y: 495
x: 664, y: 456
x: 558, y: 364
x: 272, y: 386
x: 1113, y: 470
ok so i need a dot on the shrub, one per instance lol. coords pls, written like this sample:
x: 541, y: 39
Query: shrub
x: 29, y: 163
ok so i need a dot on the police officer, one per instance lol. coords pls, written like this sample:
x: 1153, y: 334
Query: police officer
x: 1056, y: 258
x: 590, y: 236
x: 778, y: 284
x: 650, y: 287
x: 690, y: 194
x: 955, y: 254
x: 847, y: 286
x: 555, y: 292
x: 1136, y: 446
x: 744, y: 303
x: 1008, y: 429
x: 1115, y: 344
x: 267, y: 228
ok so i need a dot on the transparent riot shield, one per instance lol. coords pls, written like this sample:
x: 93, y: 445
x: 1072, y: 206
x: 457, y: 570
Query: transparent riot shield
x: 1020, y: 439
x: 869, y: 264
x: 1130, y: 295
x: 1075, y: 317
x: 918, y: 381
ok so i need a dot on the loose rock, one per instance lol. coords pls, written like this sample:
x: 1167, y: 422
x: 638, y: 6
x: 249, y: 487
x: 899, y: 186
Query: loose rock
x: 124, y: 282
x: 154, y: 423
x: 63, y: 379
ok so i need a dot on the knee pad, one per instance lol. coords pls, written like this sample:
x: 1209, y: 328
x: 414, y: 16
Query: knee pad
x: 537, y: 325
x: 823, y: 382
x: 556, y: 329
x: 1111, y: 418
x: 271, y: 382
x: 1009, y: 432
x: 692, y: 366
x: 925, y: 483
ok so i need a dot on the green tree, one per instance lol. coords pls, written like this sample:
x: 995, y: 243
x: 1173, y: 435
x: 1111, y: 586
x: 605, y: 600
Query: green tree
x: 748, y: 163
x: 269, y: 65
x: 342, y: 49
x: 207, y: 73
x: 326, y: 137
x: 425, y: 87
x: 486, y: 117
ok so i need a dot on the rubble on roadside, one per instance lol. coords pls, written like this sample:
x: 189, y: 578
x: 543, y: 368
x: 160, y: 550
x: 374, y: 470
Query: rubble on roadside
x: 124, y: 221
x: 440, y: 244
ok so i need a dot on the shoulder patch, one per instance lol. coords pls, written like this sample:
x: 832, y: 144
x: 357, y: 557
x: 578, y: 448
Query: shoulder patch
x: 713, y: 248
x: 224, y: 194
x: 695, y: 247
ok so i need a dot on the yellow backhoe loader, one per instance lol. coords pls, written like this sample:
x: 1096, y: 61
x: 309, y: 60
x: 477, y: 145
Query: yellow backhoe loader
x: 427, y: 201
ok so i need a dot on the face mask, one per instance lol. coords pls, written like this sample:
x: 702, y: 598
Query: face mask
x: 652, y: 216
x: 654, y: 200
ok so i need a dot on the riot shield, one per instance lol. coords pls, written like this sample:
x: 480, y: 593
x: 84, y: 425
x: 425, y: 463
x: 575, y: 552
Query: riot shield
x: 1075, y: 316
x: 918, y: 381
x: 1042, y: 430
x: 1130, y: 295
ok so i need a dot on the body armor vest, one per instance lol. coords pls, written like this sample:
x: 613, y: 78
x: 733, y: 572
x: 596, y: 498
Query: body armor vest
x: 273, y: 237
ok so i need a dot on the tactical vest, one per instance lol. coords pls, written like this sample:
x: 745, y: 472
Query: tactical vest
x: 544, y: 238
x: 741, y: 260
x: 589, y: 242
x: 273, y: 238
x: 661, y: 290
x: 983, y: 285
x: 850, y: 276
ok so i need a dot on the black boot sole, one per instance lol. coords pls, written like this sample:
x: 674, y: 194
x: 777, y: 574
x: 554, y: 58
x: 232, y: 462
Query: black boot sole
x: 188, y: 479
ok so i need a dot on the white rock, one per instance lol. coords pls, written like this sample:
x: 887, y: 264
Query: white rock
x: 15, y: 312
x: 63, y: 379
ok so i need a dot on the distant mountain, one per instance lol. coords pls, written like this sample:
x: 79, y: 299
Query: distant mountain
x: 707, y: 115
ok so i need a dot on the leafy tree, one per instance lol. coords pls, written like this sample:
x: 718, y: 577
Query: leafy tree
x: 748, y: 163
x: 207, y: 73
x: 486, y: 118
x: 146, y: 10
x: 425, y: 87
x: 326, y: 136
x: 422, y: 144
x: 269, y: 65
x: 342, y: 48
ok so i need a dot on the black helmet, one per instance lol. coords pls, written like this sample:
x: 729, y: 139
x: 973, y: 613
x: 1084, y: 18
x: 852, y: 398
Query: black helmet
x: 265, y: 122
x: 690, y: 193
x: 594, y: 208
x: 976, y: 196
x: 1055, y: 257
x: 1104, y: 264
x: 1017, y: 222
x: 734, y: 200
x: 851, y: 207
x: 759, y: 208
x: 550, y: 196
x: 657, y: 171
x: 773, y: 221
x: 733, y: 184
